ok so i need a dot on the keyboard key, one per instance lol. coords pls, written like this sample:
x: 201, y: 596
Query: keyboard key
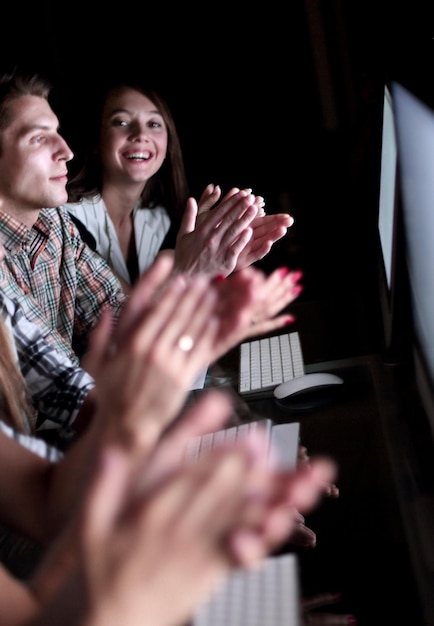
x: 267, y: 362
x: 268, y: 596
x: 282, y: 438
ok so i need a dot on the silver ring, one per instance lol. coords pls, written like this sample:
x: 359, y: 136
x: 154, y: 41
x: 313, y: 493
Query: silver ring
x: 185, y: 343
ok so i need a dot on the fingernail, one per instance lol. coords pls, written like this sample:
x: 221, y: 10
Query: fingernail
x: 296, y: 275
x: 296, y: 290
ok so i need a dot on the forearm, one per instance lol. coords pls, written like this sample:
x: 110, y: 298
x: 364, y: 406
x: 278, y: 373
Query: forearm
x: 68, y: 487
x: 54, y: 573
x: 67, y: 481
x: 18, y: 605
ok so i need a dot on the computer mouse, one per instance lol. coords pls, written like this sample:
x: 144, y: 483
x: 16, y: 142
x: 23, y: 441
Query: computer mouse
x: 307, y: 392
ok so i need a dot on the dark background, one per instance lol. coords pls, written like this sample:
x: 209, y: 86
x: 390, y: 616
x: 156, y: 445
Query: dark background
x: 285, y: 98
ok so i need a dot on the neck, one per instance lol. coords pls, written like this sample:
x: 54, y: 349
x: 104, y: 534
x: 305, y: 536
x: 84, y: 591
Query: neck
x: 28, y: 217
x: 120, y: 203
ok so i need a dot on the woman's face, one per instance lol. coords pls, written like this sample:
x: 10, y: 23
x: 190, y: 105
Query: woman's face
x: 133, y: 137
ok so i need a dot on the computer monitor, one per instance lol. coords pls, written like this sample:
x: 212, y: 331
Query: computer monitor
x: 390, y: 252
x: 414, y: 123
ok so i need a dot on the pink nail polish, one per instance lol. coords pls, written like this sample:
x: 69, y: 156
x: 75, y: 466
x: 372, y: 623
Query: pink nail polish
x: 296, y: 275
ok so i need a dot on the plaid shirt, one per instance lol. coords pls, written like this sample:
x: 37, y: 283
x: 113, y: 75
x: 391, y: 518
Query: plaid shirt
x: 35, y: 444
x: 61, y: 284
x: 58, y: 387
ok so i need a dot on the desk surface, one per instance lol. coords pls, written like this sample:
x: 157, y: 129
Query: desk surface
x: 363, y: 547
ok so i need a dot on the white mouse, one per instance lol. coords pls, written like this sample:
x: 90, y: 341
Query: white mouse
x: 306, y: 383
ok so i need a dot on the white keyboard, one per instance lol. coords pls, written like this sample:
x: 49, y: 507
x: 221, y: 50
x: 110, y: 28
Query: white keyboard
x: 283, y: 439
x: 268, y: 596
x: 265, y: 363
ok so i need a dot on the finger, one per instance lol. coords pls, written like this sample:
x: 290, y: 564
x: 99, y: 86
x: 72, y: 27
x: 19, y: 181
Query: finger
x: 202, y: 332
x: 267, y: 223
x: 310, y: 483
x: 229, y: 210
x: 153, y: 339
x: 209, y: 414
x: 142, y: 296
x: 278, y: 524
x: 235, y: 248
x: 320, y: 599
x: 303, y: 536
x: 186, y: 312
x: 267, y: 326
x: 99, y: 340
x: 270, y: 235
x: 188, y: 222
x: 162, y: 314
x: 209, y: 197
x: 230, y: 193
x: 204, y: 496
x: 333, y: 491
x: 235, y: 223
x: 221, y: 476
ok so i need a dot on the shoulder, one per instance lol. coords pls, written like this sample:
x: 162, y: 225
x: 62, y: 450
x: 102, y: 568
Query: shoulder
x: 85, y: 206
x: 89, y: 217
x: 73, y: 228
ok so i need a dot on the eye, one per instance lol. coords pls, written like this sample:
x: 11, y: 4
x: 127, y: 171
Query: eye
x: 119, y: 122
x: 38, y: 139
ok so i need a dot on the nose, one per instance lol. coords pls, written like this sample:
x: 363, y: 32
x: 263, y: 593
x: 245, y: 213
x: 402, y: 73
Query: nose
x: 64, y: 152
x: 138, y: 133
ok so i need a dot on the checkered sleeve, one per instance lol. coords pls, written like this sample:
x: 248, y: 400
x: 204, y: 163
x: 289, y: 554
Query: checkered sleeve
x: 34, y: 444
x: 57, y: 386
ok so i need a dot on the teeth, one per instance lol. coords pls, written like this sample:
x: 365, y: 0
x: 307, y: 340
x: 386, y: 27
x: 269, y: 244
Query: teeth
x: 139, y: 155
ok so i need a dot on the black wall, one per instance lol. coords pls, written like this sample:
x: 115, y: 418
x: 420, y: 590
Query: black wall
x: 285, y: 98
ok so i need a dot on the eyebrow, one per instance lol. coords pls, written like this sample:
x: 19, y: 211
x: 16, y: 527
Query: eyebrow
x: 123, y: 110
x: 39, y: 126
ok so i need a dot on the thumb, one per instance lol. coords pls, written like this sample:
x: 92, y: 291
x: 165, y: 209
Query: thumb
x: 188, y: 222
x: 98, y: 341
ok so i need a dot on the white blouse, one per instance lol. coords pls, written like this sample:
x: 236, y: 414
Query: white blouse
x: 150, y: 228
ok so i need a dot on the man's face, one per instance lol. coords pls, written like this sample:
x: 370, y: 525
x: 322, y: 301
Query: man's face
x: 33, y: 171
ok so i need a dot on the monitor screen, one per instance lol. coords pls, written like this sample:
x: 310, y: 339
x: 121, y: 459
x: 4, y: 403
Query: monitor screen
x: 415, y: 138
x: 388, y: 189
x: 391, y: 272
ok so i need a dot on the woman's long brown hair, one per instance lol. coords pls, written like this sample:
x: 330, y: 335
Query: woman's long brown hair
x: 15, y: 400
